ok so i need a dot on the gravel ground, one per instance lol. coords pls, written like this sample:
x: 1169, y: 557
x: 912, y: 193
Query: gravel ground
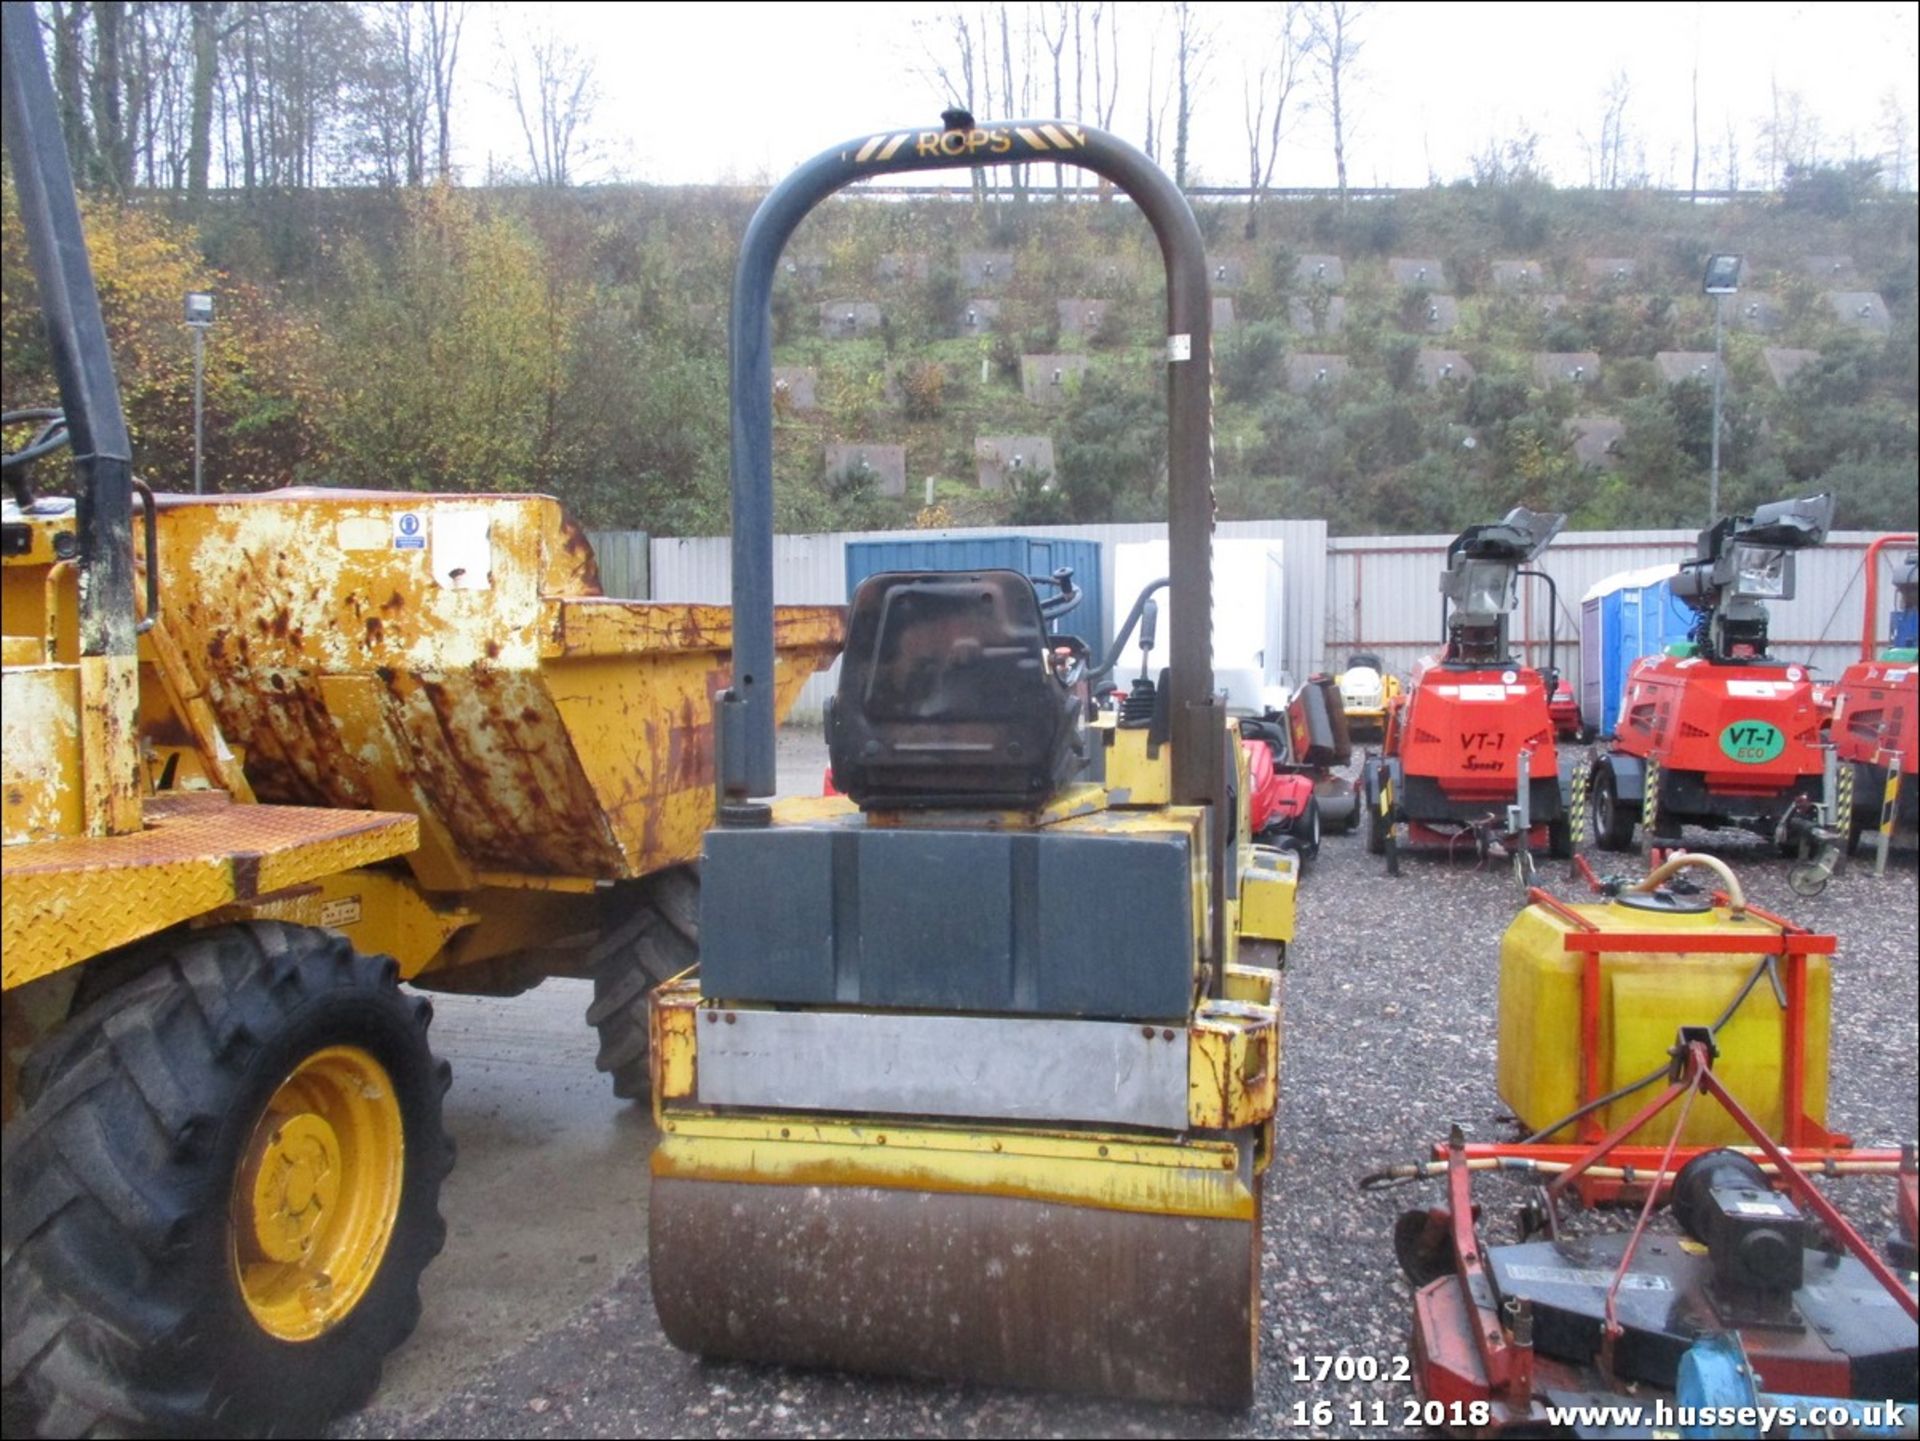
x: 1389, y: 1039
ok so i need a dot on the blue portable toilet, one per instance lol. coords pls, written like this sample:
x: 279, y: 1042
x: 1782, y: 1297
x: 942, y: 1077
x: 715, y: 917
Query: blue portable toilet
x: 1034, y: 555
x: 1623, y: 618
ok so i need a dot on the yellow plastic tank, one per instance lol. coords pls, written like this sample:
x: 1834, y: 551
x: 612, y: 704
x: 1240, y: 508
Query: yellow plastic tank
x: 1644, y: 995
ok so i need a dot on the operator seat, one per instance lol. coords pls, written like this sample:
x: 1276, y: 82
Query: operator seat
x: 951, y: 695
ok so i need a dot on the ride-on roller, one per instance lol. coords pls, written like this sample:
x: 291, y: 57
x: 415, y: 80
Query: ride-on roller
x: 1716, y: 733
x: 1664, y: 1042
x: 1876, y: 709
x: 974, y: 1080
x: 1469, y: 752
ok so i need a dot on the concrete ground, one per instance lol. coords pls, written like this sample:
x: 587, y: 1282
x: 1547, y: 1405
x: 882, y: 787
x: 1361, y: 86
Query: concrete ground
x: 547, y: 1205
x: 537, y: 1316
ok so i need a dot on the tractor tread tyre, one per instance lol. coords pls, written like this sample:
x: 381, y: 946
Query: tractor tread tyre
x: 1309, y: 831
x: 122, y: 1313
x: 1613, y: 823
x: 663, y: 941
x: 1560, y: 838
x: 1376, y: 837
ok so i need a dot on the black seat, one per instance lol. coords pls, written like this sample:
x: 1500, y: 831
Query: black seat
x: 949, y: 695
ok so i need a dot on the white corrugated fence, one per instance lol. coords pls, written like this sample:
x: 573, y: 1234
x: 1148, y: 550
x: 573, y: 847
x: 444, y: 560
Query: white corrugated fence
x: 1373, y: 593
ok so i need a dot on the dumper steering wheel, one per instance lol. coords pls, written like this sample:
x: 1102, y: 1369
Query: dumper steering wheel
x: 51, y: 435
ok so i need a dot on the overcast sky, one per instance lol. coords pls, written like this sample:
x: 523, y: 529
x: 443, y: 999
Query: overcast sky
x: 695, y: 93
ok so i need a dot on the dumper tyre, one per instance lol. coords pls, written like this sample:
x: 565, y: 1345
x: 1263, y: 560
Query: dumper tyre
x: 662, y: 940
x: 218, y: 1208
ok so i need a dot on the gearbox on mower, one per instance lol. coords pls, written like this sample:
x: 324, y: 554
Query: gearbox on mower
x: 1716, y: 733
x: 1469, y: 753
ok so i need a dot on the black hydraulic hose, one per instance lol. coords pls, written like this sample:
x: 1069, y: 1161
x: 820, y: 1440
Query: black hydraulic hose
x: 1106, y: 666
x: 1746, y: 988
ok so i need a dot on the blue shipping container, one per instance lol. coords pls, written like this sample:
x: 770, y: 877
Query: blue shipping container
x: 1028, y: 554
x: 1621, y: 620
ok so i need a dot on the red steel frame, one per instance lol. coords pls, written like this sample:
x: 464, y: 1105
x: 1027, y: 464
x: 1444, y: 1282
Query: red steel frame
x: 1503, y: 1341
x: 1869, y: 641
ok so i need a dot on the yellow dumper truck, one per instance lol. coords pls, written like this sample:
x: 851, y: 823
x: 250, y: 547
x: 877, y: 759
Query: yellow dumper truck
x: 265, y: 758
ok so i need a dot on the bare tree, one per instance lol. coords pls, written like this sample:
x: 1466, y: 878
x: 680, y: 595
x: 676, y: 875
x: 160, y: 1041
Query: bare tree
x: 113, y: 146
x: 205, y: 26
x: 1106, y: 98
x: 951, y: 71
x: 1156, y: 118
x: 958, y: 56
x: 1062, y: 12
x: 1791, y: 134
x: 1192, y: 47
x: 444, y: 21
x: 1267, y: 82
x: 1694, y: 187
x: 1612, y: 150
x: 551, y: 83
x: 1896, y: 131
x: 158, y: 129
x: 69, y: 69
x: 1336, y: 48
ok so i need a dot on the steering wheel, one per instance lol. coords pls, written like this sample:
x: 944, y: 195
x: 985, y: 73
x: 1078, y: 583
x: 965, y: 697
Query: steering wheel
x: 51, y: 435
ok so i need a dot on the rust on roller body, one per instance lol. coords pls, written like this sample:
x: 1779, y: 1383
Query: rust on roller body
x: 980, y: 1288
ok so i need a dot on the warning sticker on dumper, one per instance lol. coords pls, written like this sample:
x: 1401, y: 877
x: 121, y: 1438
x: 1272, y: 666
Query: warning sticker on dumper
x: 340, y: 911
x: 410, y: 531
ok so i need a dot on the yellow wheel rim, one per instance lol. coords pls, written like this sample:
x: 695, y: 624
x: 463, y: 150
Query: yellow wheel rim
x: 318, y: 1193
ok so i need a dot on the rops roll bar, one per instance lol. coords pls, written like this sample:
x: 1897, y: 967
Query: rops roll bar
x: 746, y: 713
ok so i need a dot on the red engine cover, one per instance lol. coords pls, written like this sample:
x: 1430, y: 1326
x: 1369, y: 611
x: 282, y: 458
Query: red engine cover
x: 1565, y: 710
x: 1272, y: 795
x: 1465, y: 729
x: 1875, y: 709
x: 1748, y: 729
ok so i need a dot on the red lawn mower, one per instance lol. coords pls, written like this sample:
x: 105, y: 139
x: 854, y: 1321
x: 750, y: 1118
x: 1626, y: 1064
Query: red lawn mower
x: 1293, y: 793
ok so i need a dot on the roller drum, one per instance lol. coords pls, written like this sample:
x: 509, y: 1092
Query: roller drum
x: 994, y: 1289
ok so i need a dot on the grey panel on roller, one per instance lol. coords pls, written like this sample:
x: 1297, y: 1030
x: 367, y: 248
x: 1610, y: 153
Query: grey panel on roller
x: 1105, y: 1072
x: 1025, y: 923
x: 773, y: 916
